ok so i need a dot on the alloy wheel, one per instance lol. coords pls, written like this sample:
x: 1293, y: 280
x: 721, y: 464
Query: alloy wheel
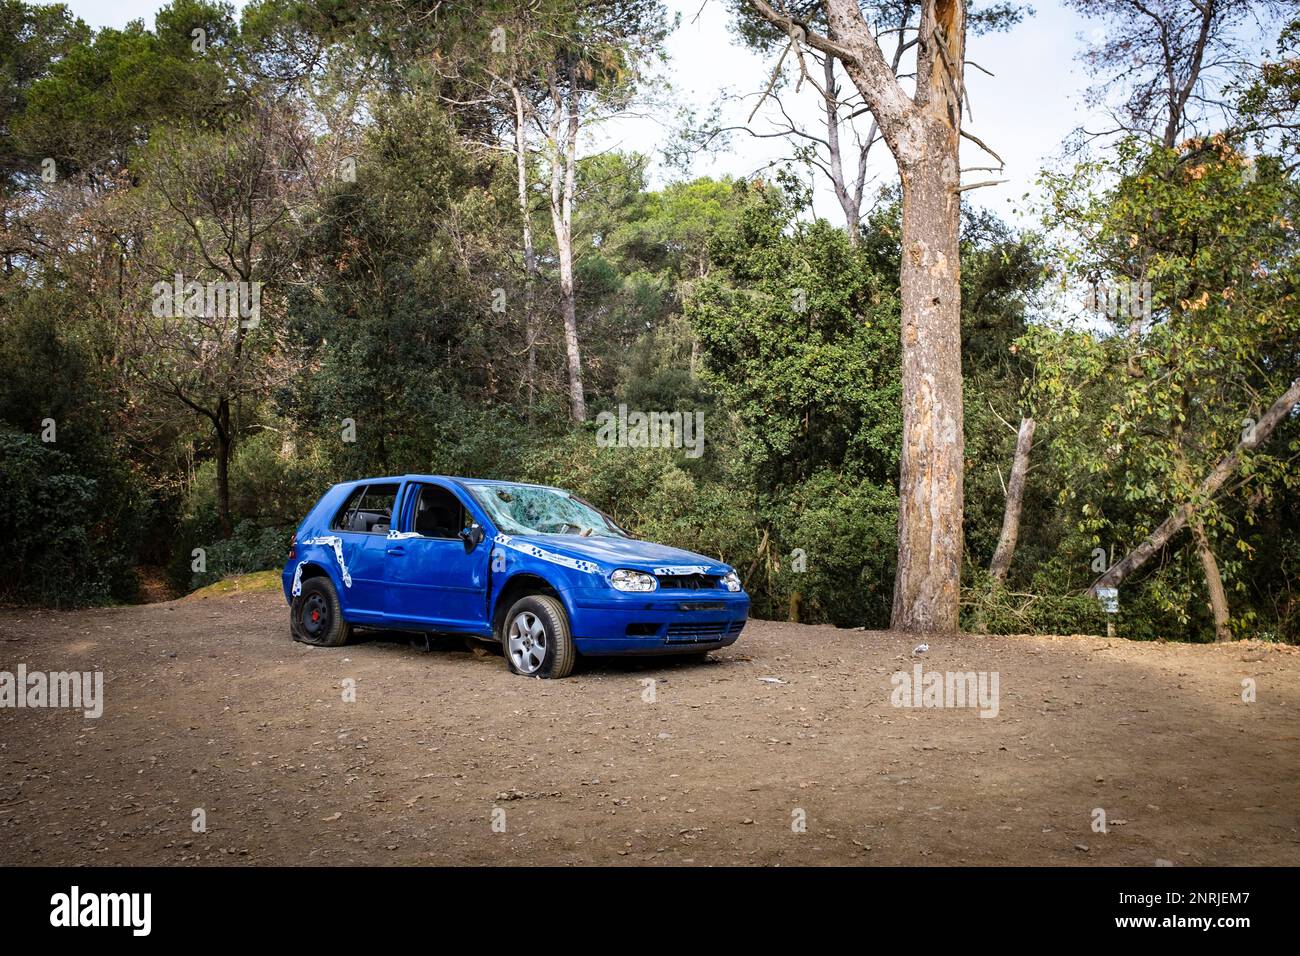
x: 526, y: 642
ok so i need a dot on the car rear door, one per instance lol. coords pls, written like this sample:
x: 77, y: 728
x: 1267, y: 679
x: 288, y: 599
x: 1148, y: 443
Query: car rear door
x: 362, y: 525
x: 431, y: 579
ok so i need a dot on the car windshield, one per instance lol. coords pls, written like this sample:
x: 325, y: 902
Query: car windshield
x: 529, y: 509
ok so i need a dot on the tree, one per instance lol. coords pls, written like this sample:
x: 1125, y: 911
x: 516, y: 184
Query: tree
x: 922, y: 131
x: 32, y: 39
x: 1141, y: 418
x: 1015, y: 495
x: 800, y: 339
x: 1268, y: 106
x: 1165, y: 61
x: 98, y: 102
x: 593, y: 66
x: 225, y: 207
x: 838, y: 148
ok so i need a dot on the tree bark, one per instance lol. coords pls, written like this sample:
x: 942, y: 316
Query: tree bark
x: 1152, y: 544
x: 530, y: 253
x: 1006, y: 549
x: 1213, y: 583
x: 928, y: 581
x: 922, y: 131
x: 223, y: 468
x: 563, y: 178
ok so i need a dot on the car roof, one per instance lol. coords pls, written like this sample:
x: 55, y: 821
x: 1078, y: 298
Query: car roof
x: 455, y: 478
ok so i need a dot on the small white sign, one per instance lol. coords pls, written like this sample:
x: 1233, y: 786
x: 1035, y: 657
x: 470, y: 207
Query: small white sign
x: 1109, y: 598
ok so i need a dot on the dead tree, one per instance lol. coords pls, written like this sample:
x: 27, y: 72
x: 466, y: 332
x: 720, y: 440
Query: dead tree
x: 1157, y: 539
x: 1006, y: 549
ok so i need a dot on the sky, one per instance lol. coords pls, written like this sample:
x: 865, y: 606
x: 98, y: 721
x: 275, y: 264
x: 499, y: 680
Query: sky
x: 1023, y: 112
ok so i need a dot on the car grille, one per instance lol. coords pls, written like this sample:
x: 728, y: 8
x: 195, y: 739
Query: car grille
x: 686, y: 633
x: 690, y: 582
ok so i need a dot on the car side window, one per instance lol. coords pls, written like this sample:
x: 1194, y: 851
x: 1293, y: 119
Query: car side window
x: 438, y: 513
x: 369, y: 510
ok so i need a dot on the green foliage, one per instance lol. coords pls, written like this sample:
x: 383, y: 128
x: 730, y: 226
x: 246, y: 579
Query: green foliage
x: 32, y: 39
x: 1140, y: 412
x: 844, y: 529
x: 250, y: 548
x: 801, y: 341
x: 990, y: 608
x: 97, y: 101
x: 51, y: 554
x: 275, y: 482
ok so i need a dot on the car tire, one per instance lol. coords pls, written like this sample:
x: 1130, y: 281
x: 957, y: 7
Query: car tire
x: 316, y: 617
x: 536, y: 638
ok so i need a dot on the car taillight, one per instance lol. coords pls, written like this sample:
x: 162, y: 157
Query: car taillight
x: 293, y: 546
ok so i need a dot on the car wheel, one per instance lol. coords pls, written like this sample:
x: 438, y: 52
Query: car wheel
x: 316, y: 618
x: 537, y: 641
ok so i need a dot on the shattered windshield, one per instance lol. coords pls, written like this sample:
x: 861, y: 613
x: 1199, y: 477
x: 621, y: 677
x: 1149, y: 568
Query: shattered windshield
x: 529, y: 509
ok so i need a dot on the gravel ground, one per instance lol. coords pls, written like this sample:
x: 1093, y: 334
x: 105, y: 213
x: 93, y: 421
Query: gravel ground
x: 783, y: 749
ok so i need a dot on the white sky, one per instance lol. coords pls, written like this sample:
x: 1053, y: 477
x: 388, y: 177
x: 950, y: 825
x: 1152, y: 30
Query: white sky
x: 1024, y: 112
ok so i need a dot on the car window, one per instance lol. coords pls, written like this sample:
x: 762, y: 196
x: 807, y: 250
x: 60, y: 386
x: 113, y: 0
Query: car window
x: 369, y: 510
x: 533, y: 509
x: 438, y: 513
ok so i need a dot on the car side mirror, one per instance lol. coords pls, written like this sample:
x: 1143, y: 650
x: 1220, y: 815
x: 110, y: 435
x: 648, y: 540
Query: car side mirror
x: 472, y: 536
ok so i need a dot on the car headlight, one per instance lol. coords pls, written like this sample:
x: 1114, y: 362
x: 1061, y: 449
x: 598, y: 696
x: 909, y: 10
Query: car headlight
x: 731, y: 581
x: 625, y: 580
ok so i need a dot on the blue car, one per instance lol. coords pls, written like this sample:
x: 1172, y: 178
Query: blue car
x: 535, y: 568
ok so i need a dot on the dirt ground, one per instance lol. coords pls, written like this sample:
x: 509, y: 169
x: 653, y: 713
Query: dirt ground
x: 210, y: 705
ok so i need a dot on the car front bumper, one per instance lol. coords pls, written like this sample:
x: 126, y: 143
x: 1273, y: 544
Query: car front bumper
x: 608, y: 622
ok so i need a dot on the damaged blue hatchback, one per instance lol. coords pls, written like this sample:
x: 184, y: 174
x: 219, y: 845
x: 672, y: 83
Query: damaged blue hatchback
x: 536, y: 569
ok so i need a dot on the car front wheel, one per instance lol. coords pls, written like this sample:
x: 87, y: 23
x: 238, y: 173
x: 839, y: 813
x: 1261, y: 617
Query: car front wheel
x: 537, y: 640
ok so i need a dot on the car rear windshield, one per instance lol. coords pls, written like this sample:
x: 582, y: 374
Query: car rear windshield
x: 529, y: 509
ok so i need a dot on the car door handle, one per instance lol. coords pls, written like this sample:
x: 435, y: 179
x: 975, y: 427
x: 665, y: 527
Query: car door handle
x: 397, y: 551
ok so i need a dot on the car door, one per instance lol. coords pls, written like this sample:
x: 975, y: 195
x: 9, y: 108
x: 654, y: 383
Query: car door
x: 431, y: 579
x: 362, y: 526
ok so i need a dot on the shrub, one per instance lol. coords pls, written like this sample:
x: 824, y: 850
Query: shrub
x: 50, y: 554
x: 989, y: 608
x: 251, y: 548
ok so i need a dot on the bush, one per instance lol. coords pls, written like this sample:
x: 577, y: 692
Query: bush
x: 51, y: 553
x: 846, y: 529
x: 272, y: 488
x: 989, y: 608
x: 251, y: 548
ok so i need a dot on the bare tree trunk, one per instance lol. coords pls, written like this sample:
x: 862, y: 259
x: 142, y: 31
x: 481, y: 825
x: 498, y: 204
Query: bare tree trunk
x: 928, y: 582
x: 850, y: 203
x: 530, y: 254
x: 1213, y: 583
x: 1006, y: 549
x: 927, y: 586
x: 1151, y: 545
x: 222, y: 423
x: 563, y: 177
x: 922, y: 131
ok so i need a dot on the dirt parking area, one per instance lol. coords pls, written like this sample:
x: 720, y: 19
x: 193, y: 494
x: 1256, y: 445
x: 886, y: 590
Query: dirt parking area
x: 783, y: 749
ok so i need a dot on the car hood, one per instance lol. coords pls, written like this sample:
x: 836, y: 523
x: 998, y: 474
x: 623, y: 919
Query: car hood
x: 613, y: 553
